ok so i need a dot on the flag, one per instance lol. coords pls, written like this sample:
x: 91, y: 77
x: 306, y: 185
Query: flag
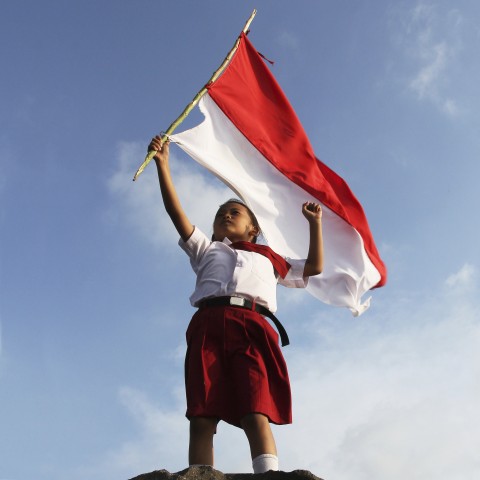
x: 253, y: 141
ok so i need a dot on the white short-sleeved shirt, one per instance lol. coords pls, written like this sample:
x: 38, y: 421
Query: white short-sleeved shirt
x: 224, y: 271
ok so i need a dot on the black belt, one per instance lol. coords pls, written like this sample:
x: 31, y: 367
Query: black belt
x: 244, y: 303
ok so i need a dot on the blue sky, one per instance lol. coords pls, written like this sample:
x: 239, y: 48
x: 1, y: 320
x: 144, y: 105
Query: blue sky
x: 94, y: 290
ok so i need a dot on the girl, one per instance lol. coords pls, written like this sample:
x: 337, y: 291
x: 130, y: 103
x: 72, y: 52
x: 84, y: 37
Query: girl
x: 234, y: 369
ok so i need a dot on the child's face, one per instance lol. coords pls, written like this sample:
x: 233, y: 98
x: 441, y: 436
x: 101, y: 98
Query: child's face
x: 234, y: 222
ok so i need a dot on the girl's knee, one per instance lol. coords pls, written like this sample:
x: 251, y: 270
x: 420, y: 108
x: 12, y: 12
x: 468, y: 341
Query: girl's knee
x: 254, y: 421
x: 203, y: 425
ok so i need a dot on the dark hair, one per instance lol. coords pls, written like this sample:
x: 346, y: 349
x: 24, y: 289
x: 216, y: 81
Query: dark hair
x: 253, y: 218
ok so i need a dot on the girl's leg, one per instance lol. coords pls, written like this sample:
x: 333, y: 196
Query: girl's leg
x: 262, y: 444
x: 202, y: 430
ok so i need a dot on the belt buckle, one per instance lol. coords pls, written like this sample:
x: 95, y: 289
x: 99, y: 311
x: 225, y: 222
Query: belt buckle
x: 237, y: 301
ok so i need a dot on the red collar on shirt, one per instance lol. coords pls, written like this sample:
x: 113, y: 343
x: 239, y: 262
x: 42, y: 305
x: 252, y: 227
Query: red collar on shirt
x: 278, y: 262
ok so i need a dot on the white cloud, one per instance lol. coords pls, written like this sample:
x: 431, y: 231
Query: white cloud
x: 464, y: 278
x: 431, y: 40
x: 392, y: 395
x: 160, y: 443
x: 435, y: 57
x: 139, y: 204
x: 288, y: 40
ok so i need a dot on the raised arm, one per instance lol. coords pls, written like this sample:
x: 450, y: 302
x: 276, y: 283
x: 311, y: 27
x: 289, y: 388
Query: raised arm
x: 314, y: 264
x: 169, y: 194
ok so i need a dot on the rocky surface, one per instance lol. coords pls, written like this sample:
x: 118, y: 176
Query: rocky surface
x: 209, y: 473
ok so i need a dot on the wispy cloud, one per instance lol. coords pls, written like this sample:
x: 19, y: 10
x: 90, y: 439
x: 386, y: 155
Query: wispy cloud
x: 288, y: 40
x: 431, y: 42
x: 140, y: 206
x: 435, y: 57
x: 394, y: 395
x: 465, y: 278
x: 160, y: 443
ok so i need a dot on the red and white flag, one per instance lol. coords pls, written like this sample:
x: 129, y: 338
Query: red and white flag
x: 253, y: 141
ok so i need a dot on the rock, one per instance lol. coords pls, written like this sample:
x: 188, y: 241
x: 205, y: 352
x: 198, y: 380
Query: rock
x: 209, y: 473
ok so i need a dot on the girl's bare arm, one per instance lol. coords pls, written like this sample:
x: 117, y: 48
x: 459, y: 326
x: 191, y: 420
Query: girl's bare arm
x: 314, y: 264
x: 169, y: 194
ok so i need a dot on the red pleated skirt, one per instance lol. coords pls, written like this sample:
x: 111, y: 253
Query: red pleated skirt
x: 234, y: 366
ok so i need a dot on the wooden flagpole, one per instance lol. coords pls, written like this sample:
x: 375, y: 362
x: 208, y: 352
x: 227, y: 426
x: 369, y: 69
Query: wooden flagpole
x: 196, y: 99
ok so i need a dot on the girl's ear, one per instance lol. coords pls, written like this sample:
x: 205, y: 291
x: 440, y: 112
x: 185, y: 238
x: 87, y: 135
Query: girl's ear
x: 255, y: 231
